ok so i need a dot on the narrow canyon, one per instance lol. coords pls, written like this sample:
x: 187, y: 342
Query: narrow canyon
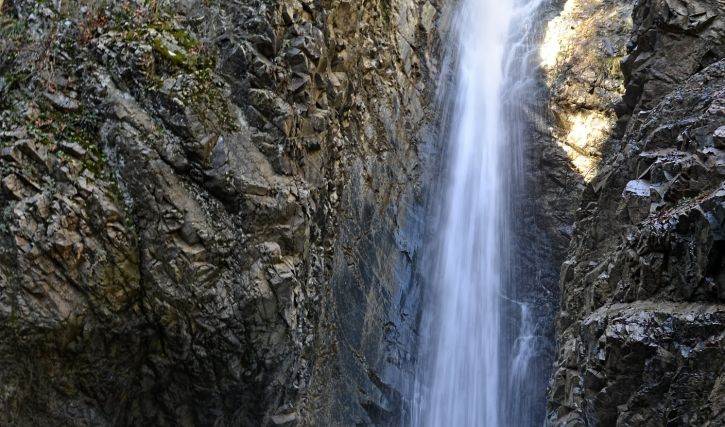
x: 394, y: 213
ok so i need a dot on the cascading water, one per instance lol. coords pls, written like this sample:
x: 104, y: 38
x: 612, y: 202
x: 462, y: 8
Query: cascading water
x: 479, y: 334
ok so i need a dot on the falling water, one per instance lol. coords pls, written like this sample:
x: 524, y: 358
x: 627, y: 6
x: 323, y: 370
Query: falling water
x: 482, y: 334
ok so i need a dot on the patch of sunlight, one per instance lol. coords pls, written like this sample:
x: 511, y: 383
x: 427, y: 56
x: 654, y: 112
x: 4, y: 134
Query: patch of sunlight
x: 583, y: 141
x: 558, y: 36
x: 579, y: 53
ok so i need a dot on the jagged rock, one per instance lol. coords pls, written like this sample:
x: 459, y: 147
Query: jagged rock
x: 185, y: 224
x: 719, y: 137
x: 61, y: 101
x: 641, y: 330
x: 637, y: 198
x: 671, y: 41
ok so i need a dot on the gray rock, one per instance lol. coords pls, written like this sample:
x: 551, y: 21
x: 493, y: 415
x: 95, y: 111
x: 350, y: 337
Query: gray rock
x: 641, y: 328
x: 719, y: 137
x: 637, y: 197
x: 61, y: 101
x: 191, y: 240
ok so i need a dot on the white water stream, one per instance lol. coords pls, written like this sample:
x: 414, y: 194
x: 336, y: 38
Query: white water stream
x: 481, y: 338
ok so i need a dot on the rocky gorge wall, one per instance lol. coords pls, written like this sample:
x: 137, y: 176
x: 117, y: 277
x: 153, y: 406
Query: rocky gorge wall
x: 641, y: 327
x: 209, y: 209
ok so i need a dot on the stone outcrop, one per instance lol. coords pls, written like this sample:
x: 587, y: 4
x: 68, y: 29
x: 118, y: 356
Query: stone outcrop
x: 204, y: 207
x: 641, y: 328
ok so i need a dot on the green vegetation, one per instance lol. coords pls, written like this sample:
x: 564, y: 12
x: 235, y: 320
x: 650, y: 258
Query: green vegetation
x: 31, y: 66
x: 175, y: 57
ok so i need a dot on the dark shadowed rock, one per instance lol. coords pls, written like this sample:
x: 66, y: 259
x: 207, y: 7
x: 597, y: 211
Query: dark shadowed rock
x: 641, y: 329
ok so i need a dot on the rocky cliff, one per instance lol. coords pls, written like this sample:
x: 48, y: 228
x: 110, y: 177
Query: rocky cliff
x: 204, y: 209
x: 641, y: 328
x: 212, y: 211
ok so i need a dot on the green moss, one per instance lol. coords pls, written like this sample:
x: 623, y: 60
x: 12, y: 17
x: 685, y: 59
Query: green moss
x: 204, y: 98
x: 385, y: 8
x: 80, y: 127
x: 194, y: 59
x: 174, y: 57
x: 184, y: 39
x: 13, y: 37
x: 13, y: 28
x: 13, y: 80
x: 133, y: 35
x: 209, y: 105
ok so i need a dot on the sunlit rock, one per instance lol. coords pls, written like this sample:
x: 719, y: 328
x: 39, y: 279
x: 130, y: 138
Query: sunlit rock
x: 587, y: 131
x: 580, y: 55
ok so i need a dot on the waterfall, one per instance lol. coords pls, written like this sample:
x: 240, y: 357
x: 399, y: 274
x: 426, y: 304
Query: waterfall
x: 479, y: 336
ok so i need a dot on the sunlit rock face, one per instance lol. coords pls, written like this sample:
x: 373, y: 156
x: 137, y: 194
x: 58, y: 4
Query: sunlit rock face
x: 581, y: 43
x: 586, y: 132
x: 580, y: 57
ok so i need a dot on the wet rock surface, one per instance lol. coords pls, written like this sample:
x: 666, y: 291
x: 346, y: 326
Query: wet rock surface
x: 640, y: 332
x: 204, y: 208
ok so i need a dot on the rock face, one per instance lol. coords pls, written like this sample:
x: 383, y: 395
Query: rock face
x: 204, y: 208
x: 641, y: 328
x: 582, y: 44
x: 211, y: 211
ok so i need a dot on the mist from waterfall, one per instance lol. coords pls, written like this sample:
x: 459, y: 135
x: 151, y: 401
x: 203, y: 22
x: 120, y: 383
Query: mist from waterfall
x: 479, y: 336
